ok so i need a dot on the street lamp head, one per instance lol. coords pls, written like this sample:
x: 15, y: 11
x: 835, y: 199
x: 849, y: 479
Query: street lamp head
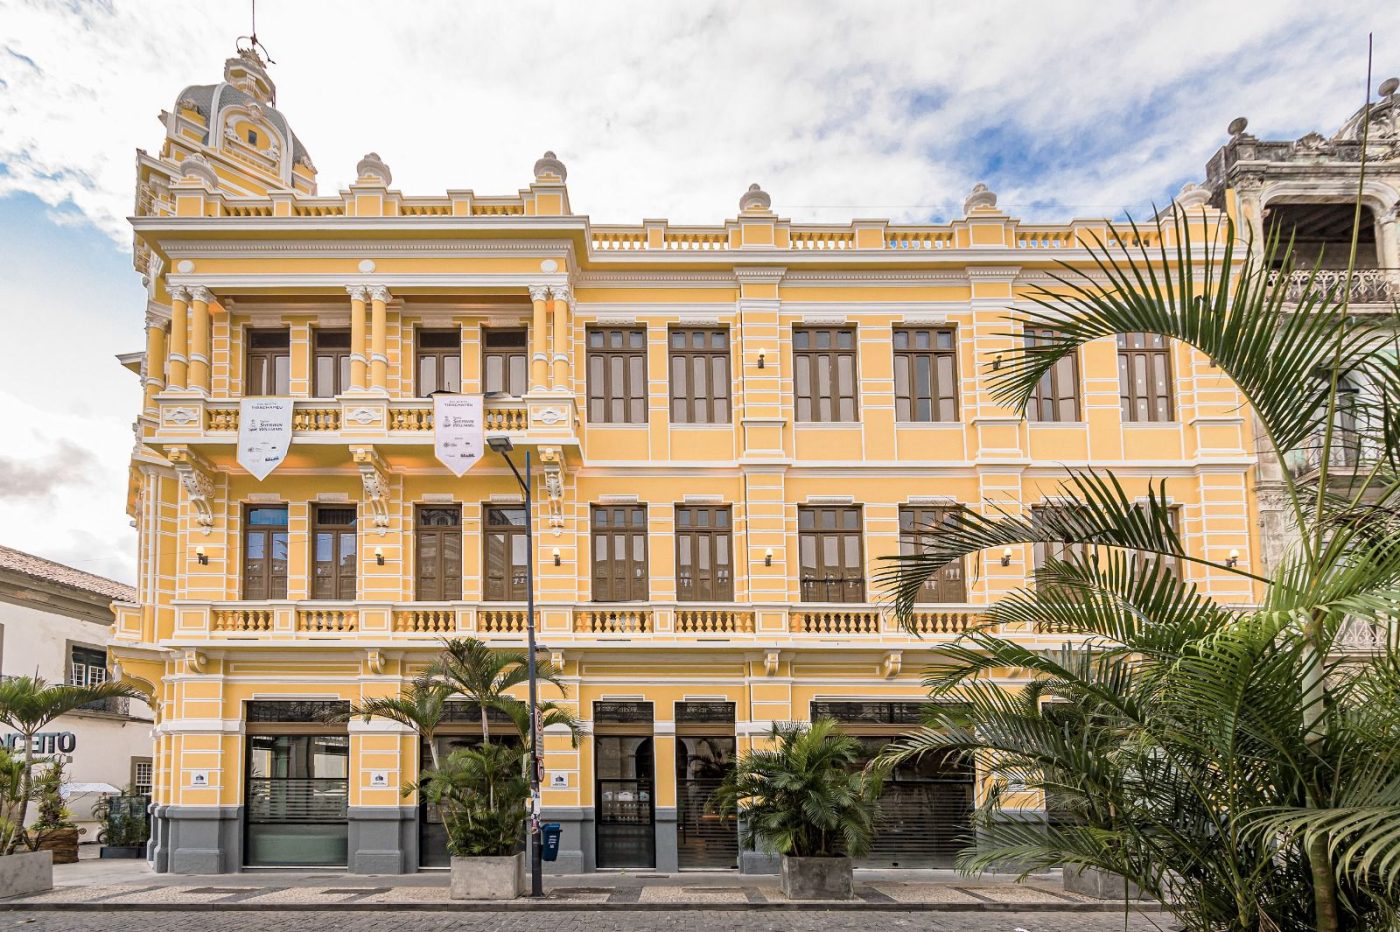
x: 500, y: 444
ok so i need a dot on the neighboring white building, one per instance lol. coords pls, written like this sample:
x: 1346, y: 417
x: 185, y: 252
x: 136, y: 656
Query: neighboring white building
x: 54, y: 623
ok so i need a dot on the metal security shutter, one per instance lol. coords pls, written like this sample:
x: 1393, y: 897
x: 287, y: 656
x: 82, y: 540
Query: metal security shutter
x: 926, y: 805
x: 923, y: 822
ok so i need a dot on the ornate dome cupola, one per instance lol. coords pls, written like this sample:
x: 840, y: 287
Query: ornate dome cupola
x: 236, y: 127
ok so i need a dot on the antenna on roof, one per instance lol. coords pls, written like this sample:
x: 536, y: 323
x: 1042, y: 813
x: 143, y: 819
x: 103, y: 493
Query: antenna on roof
x: 253, y: 45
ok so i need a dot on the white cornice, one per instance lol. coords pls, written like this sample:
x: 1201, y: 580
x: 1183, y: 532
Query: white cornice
x: 351, y: 249
x: 401, y: 284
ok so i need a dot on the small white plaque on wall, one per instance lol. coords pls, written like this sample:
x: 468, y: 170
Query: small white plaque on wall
x: 379, y: 779
x: 558, y: 781
x: 199, y: 779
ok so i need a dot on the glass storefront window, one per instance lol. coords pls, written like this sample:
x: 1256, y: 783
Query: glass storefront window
x: 298, y: 796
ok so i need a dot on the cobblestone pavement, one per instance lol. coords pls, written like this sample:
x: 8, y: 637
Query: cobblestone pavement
x: 670, y: 921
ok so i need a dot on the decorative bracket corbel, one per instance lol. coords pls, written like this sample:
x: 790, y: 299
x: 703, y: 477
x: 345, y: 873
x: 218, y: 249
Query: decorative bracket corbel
x: 894, y: 660
x: 552, y: 460
x: 199, y: 487
x: 196, y: 662
x: 374, y: 659
x: 770, y: 663
x: 556, y: 660
x: 376, y: 486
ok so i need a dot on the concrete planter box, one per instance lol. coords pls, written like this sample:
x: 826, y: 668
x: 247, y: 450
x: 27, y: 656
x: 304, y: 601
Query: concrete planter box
x: 816, y: 878
x: 1101, y: 885
x: 25, y: 873
x: 488, y: 878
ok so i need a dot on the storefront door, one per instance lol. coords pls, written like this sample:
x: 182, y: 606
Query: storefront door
x: 625, y: 818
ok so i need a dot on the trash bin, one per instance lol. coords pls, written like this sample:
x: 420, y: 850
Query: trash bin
x: 549, y: 840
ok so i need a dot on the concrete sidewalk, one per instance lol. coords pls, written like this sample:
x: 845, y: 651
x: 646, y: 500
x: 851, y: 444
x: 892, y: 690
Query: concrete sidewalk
x: 131, y: 885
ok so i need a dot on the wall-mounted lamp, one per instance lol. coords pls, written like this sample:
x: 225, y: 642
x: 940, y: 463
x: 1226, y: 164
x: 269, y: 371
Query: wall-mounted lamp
x: 201, y: 556
x: 555, y: 554
x: 996, y: 363
x: 768, y: 557
x: 379, y: 556
x: 1006, y: 556
x: 762, y: 356
x: 1232, y: 558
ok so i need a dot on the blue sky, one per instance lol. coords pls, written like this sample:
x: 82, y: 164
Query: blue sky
x: 839, y: 110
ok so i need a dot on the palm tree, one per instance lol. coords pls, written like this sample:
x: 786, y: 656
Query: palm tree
x: 806, y: 797
x: 28, y: 705
x: 1232, y: 763
x: 421, y: 707
x: 485, y: 675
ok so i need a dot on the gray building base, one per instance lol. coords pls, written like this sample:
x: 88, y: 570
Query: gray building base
x: 667, y: 855
x: 577, y: 845
x: 382, y: 840
x: 196, y: 839
x: 759, y: 862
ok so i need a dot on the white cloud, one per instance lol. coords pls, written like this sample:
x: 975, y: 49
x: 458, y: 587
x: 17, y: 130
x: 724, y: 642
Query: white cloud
x: 672, y: 109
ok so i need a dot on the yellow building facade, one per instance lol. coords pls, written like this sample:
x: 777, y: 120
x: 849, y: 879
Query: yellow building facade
x: 730, y: 426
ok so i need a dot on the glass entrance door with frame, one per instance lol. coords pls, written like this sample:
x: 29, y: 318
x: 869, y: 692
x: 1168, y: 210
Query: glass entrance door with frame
x: 298, y: 796
x: 624, y: 791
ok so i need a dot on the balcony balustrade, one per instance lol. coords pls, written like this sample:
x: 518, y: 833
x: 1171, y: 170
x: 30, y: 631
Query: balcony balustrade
x: 1367, y: 286
x: 192, y: 420
x: 564, y: 623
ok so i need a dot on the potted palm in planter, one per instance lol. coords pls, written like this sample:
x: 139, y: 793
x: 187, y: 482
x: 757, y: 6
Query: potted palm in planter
x: 481, y: 836
x: 27, y: 706
x: 482, y: 794
x: 807, y: 799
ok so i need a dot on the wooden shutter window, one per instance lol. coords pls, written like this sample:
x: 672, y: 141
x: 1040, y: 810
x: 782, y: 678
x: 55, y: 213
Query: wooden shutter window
x: 699, y: 376
x: 925, y: 375
x: 824, y: 374
x: 331, y: 358
x: 265, y: 552
x: 704, y: 554
x: 438, y: 553
x: 617, y: 376
x: 1144, y: 377
x: 507, y: 553
x: 334, y: 556
x: 917, y: 526
x: 831, y: 565
x: 1173, y: 565
x: 505, y: 361
x: 439, y: 358
x: 268, y: 363
x: 1056, y: 396
x: 619, y: 535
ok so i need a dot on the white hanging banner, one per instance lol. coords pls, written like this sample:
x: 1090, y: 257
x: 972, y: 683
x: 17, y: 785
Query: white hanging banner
x: 459, y: 431
x: 264, y: 434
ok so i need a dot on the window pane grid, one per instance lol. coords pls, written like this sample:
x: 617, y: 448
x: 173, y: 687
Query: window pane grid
x: 617, y: 376
x: 439, y: 361
x: 925, y: 375
x: 334, y: 553
x: 438, y: 553
x: 699, y: 376
x: 265, y: 553
x: 619, y: 553
x: 1056, y: 395
x: 824, y: 372
x: 1144, y: 377
x: 268, y: 363
x: 704, y: 571
x: 506, y: 554
x: 829, y: 554
x: 916, y: 527
x: 505, y: 361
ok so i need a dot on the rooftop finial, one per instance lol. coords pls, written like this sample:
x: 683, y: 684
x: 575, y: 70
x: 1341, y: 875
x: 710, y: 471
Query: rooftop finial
x: 549, y: 168
x: 755, y: 199
x: 371, y: 169
x: 981, y: 198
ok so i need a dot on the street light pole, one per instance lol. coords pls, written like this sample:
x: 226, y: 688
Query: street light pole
x: 503, y: 446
